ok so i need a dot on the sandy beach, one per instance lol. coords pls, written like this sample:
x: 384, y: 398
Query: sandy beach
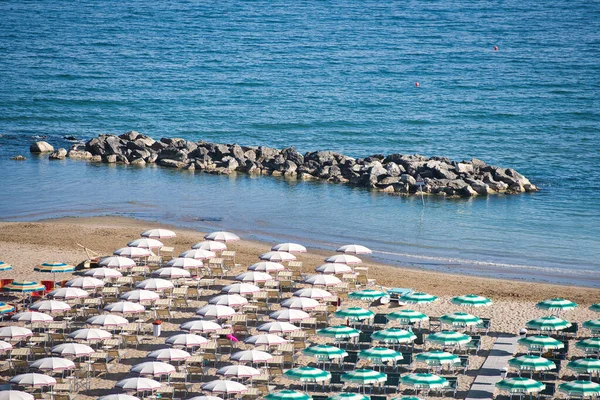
x: 26, y: 244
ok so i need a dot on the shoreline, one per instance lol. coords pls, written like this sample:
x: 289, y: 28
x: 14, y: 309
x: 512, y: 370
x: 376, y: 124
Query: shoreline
x: 57, y: 237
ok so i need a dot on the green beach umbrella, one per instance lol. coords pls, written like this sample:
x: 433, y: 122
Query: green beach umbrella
x: 287, y: 395
x: 471, y: 300
x: 556, y: 304
x: 585, y: 365
x: 418, y: 298
x: 520, y: 385
x: 364, y: 377
x: 437, y: 357
x: 380, y: 354
x: 408, y: 316
x: 24, y: 287
x: 308, y: 374
x: 592, y: 324
x: 354, y: 313
x: 460, y: 319
x: 325, y: 351
x: 541, y: 343
x: 348, y: 396
x: 339, y: 332
x: 5, y: 267
x: 531, y: 363
x: 590, y: 345
x: 6, y: 308
x: 393, y: 335
x: 550, y: 323
x: 424, y: 381
x: 579, y: 388
x: 367, y: 294
x: 595, y: 307
x: 449, y: 338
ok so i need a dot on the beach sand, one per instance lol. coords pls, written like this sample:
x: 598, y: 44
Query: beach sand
x: 26, y: 244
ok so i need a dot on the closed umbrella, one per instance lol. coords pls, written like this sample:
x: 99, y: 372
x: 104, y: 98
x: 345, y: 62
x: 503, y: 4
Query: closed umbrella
x: 312, y: 293
x: 238, y: 371
x: 224, y: 386
x: 72, y: 350
x: 266, y: 266
x: 471, y: 300
x: 367, y: 294
x: 222, y: 236
x: 90, y: 334
x: 393, y: 335
x: 103, y: 273
x: 215, y: 311
x: 300, y: 303
x: 117, y: 262
x: 186, y: 340
x: 210, y: 245
x: 200, y: 326
x: 231, y: 300
x: 520, y: 386
x: 344, y: 259
x: 132, y: 252
x: 171, y: 273
x: 277, y: 256
x: 169, y: 354
x: 125, y: 307
x: 289, y: 315
x: 407, y: 316
x: 185, y: 263
x: 334, y: 269
x: 31, y: 317
x: 354, y: 313
x: 50, y: 306
x: 52, y: 364
x: 541, y: 343
x: 418, y: 298
x: 159, y: 233
x: 141, y: 296
x: 287, y: 395
x: 138, y: 384
x: 277, y: 327
x: 550, y: 323
x: 198, y: 254
x: 580, y: 388
x: 448, y: 338
x: 153, y: 368
x: 85, y: 282
x: 68, y: 293
x: 14, y: 332
x: 289, y: 248
x: 33, y: 379
x: 354, y: 249
x: 339, y: 332
x: 460, y: 319
x: 107, y: 320
x: 254, y: 277
x: 265, y: 339
x: 241, y: 288
x: 155, y: 284
x: 323, y: 280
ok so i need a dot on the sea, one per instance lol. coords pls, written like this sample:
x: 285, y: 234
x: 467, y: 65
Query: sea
x: 514, y: 83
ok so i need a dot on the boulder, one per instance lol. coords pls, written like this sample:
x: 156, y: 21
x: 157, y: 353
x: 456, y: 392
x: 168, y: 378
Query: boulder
x: 169, y: 163
x: 59, y: 154
x: 321, y: 157
x: 172, y: 153
x: 139, y: 162
x: 41, y: 147
x: 96, y: 159
x: 394, y: 169
x: 405, y: 178
x: 129, y: 136
x: 464, y: 169
x: 79, y: 154
x: 110, y: 159
x: 292, y: 155
x: 265, y: 153
x: 237, y: 151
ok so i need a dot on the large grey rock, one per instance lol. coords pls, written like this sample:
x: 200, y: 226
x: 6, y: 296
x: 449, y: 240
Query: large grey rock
x: 165, y: 162
x: 237, y: 151
x: 292, y: 155
x: 59, y: 154
x: 265, y: 153
x: 172, y: 153
x: 79, y: 154
x: 138, y: 162
x: 41, y: 147
x: 321, y: 157
x: 394, y: 169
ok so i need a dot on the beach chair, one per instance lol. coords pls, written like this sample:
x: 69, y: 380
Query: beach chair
x: 452, y: 385
x: 351, y: 359
x: 380, y: 319
x: 464, y: 364
x: 406, y: 362
x: 474, y: 345
x: 392, y: 382
x: 166, y: 253
x: 228, y: 255
x: 571, y: 331
x: 484, y: 325
x: 549, y: 392
x: 336, y: 380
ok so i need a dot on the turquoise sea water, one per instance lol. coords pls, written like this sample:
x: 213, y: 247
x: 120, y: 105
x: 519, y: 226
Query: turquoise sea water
x: 320, y: 75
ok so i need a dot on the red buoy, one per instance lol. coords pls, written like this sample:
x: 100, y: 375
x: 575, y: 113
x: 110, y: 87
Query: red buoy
x: 417, y: 84
x: 495, y: 48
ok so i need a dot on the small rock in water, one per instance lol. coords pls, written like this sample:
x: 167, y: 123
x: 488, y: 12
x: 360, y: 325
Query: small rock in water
x: 18, y: 158
x: 59, y: 154
x: 71, y: 138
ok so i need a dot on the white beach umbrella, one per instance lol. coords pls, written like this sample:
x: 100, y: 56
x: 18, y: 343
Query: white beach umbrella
x: 90, y: 334
x: 159, y: 233
x: 138, y: 384
x: 238, y: 371
x: 277, y: 256
x: 85, y: 282
x: 119, y: 396
x: 210, y: 245
x: 141, y: 296
x: 205, y: 398
x: 72, y: 350
x: 312, y: 293
x: 323, y: 280
x: 354, y: 249
x: 289, y: 248
x: 231, y: 300
x: 15, y: 395
x: 171, y: 273
x: 185, y: 263
x: 254, y: 277
x: 289, y: 315
x: 14, y: 332
x: 50, y: 306
x: 153, y: 368
x: 125, y: 307
x: 277, y: 327
x: 146, y: 243
x: 33, y: 379
x: 266, y: 266
x: 198, y: 254
x: 300, y: 303
x: 107, y: 320
x: 215, y: 311
x: 103, y: 273
x: 251, y: 356
x: 241, y: 288
x: 155, y: 284
x: 222, y: 236
x: 224, y: 386
x: 68, y: 293
x: 186, y: 340
x: 5, y: 346
x: 265, y: 339
x: 200, y: 325
x: 343, y: 259
x: 52, y: 364
x: 334, y: 268
x: 132, y: 252
x: 31, y: 317
x: 117, y: 262
x: 169, y: 354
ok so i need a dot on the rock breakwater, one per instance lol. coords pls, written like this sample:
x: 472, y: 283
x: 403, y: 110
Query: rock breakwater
x: 393, y: 173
